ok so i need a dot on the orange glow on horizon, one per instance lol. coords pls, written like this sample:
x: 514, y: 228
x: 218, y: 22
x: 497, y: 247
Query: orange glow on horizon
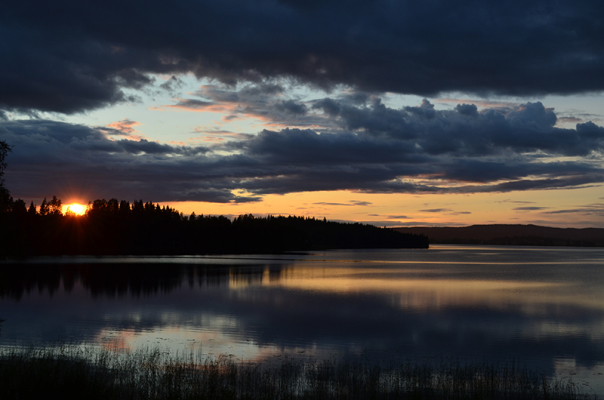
x: 420, y: 209
x: 74, y: 208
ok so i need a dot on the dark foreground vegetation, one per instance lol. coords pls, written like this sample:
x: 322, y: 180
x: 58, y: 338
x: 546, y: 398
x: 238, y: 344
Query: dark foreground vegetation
x: 73, y: 373
x: 119, y: 228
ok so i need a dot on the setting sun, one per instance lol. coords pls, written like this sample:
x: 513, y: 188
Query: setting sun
x: 75, y: 208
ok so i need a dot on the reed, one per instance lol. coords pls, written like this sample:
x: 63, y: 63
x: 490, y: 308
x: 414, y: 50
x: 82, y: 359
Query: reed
x: 71, y: 372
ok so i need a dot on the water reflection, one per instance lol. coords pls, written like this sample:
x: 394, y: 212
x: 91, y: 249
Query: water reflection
x: 121, y: 280
x: 546, y: 308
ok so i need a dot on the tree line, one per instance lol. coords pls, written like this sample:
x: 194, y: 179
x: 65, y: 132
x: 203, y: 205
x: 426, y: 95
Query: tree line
x: 4, y: 193
x: 113, y: 227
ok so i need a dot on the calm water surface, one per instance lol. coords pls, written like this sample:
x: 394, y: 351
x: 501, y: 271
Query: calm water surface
x: 542, y: 306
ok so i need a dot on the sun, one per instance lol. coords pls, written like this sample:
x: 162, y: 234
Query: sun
x: 74, y: 208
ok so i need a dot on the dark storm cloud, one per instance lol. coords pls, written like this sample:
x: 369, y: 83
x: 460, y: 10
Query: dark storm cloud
x: 70, y: 57
x: 69, y: 160
x: 528, y: 127
x: 370, y: 148
x: 265, y: 102
x: 48, y: 69
x: 292, y: 107
x: 43, y: 135
x: 307, y: 147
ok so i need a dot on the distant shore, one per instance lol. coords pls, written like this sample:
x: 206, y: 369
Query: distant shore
x: 513, y: 235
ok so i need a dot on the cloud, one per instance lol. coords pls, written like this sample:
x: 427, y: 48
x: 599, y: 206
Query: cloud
x: 569, y: 119
x: 64, y: 159
x: 589, y: 209
x: 527, y: 128
x: 69, y: 59
x: 482, y: 103
x: 217, y: 135
x: 370, y: 148
x: 53, y: 69
x: 172, y: 84
x: 516, y: 201
x: 436, y: 210
x: 264, y: 102
x: 124, y: 126
x: 360, y: 203
x: 291, y: 107
x: 530, y: 208
x: 350, y: 203
x: 196, y: 105
x: 425, y: 223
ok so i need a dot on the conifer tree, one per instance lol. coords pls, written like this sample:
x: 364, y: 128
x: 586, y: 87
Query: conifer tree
x: 54, y: 206
x: 5, y: 198
x: 44, y: 207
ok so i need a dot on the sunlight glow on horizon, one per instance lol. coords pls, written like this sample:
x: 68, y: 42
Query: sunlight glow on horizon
x: 75, y: 208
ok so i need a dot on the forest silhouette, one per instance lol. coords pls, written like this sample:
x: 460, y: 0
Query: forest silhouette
x: 112, y: 227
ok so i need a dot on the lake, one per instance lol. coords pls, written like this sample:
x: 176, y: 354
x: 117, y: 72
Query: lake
x: 540, y: 306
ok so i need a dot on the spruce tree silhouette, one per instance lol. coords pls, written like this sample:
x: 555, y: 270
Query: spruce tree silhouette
x: 5, y: 199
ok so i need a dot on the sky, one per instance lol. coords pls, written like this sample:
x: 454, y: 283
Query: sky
x: 394, y: 113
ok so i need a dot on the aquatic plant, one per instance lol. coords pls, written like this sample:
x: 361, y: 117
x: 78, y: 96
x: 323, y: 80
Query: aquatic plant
x: 71, y: 372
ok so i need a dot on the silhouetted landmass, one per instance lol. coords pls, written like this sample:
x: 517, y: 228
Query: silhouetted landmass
x: 517, y: 235
x: 120, y: 228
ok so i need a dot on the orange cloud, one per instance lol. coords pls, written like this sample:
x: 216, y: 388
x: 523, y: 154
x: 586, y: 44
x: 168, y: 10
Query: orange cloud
x: 125, y: 128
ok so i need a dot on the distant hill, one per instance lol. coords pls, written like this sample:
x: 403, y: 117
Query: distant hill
x: 522, y: 235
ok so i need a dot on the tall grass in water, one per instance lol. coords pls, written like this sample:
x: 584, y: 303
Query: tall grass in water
x: 75, y: 373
